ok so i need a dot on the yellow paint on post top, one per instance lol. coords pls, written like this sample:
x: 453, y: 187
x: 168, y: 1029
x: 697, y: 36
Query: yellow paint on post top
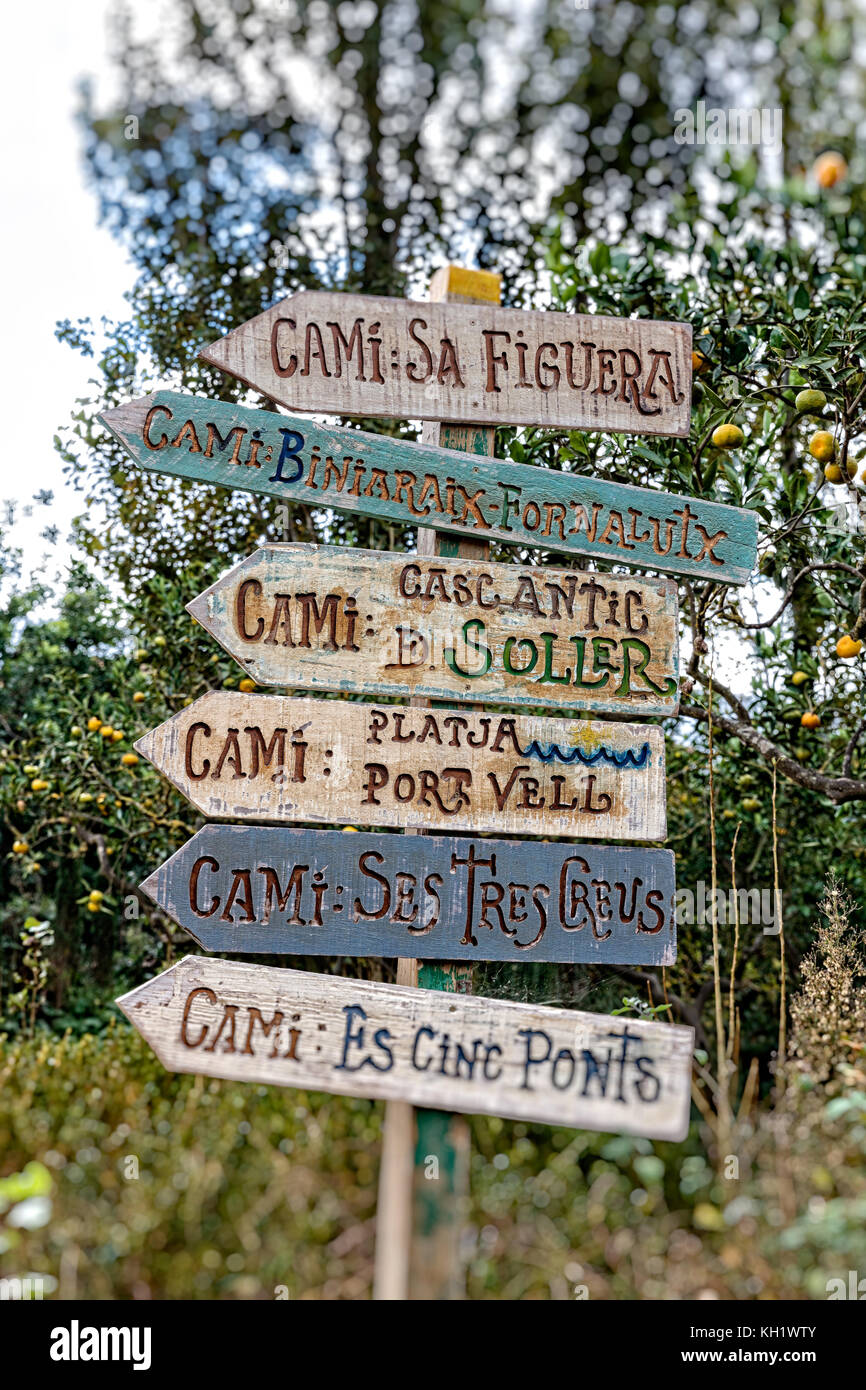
x: 471, y: 284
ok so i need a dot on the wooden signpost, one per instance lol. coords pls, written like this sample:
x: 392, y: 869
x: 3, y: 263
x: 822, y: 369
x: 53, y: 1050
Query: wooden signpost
x: 457, y: 1052
x: 274, y: 891
x: 353, y: 354
x: 363, y: 622
x: 427, y: 485
x: 418, y: 1223
x: 447, y: 625
x: 274, y: 758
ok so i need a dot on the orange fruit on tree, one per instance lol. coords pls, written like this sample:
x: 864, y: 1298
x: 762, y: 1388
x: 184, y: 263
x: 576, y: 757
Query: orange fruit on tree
x: 848, y: 646
x: 138, y: 696
x: 700, y: 362
x: 822, y: 446
x: 833, y: 472
x: 728, y: 437
x: 20, y: 846
x: 810, y: 720
x: 810, y: 401
x: 246, y: 684
x: 130, y: 760
x: 829, y: 169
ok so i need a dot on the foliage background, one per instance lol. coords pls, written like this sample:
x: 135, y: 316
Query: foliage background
x: 357, y: 146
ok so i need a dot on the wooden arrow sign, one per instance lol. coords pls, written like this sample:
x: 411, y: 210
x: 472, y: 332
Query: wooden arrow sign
x: 347, y: 354
x: 390, y: 1042
x: 360, y: 621
x: 271, y: 758
x: 265, y: 889
x: 412, y: 484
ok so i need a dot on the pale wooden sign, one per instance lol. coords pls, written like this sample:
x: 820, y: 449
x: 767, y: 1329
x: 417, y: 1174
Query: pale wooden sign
x: 272, y: 758
x: 411, y: 484
x: 366, y: 622
x: 389, y: 1042
x: 267, y: 889
x: 350, y: 354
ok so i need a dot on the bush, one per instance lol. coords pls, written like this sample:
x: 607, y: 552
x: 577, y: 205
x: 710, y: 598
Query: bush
x: 165, y: 1186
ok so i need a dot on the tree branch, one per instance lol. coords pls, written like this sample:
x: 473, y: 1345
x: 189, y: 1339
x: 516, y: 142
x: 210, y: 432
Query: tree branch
x: 849, y: 751
x: 727, y: 695
x: 837, y: 789
x: 808, y: 569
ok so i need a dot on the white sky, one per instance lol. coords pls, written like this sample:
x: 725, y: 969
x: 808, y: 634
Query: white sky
x: 59, y: 264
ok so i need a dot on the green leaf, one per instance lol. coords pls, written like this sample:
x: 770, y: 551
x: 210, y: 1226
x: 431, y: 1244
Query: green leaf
x: 599, y: 258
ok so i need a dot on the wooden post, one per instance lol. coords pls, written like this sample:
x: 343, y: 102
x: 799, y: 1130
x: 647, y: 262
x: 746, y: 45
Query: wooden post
x: 419, y: 1215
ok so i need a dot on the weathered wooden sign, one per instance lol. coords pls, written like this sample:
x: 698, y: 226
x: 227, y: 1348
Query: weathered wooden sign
x: 273, y: 758
x: 352, y: 354
x: 266, y: 889
x: 420, y: 484
x: 360, y: 621
x: 447, y: 1051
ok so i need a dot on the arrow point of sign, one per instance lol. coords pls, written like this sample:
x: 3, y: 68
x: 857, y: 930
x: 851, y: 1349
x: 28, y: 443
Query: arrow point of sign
x: 220, y: 353
x: 215, y: 354
x: 198, y: 609
x: 152, y: 746
x: 160, y: 745
x: 159, y: 992
x: 122, y: 418
x: 145, y: 745
x: 150, y: 886
x: 229, y: 352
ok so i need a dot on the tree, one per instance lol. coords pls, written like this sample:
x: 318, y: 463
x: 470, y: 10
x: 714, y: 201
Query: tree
x: 356, y: 146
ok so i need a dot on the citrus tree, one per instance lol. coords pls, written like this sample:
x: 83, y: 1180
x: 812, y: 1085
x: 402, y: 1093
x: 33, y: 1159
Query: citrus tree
x: 230, y: 187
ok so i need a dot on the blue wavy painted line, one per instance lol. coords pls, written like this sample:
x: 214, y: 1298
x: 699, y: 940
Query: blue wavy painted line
x: 576, y: 755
